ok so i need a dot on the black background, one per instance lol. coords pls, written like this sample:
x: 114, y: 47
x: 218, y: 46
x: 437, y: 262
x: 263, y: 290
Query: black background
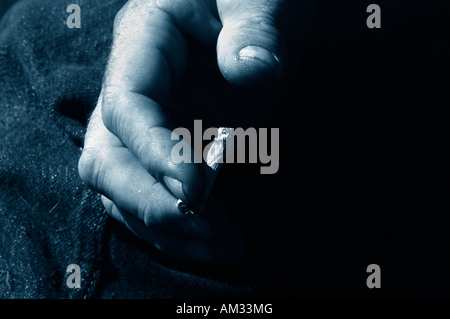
x: 363, y: 173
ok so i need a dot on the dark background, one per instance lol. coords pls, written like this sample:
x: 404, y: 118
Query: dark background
x: 364, y: 172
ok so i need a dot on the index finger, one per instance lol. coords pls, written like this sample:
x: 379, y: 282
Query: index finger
x: 147, y: 59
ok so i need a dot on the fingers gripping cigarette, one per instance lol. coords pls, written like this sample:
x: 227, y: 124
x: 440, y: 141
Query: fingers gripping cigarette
x: 214, y: 160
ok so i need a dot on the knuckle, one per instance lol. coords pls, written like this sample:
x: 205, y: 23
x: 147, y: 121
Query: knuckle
x: 130, y: 6
x: 90, y: 167
x: 109, y: 111
x: 108, y: 96
x: 149, y: 211
x: 85, y: 166
x: 257, y: 17
x: 147, y: 148
x: 261, y: 23
x: 146, y: 213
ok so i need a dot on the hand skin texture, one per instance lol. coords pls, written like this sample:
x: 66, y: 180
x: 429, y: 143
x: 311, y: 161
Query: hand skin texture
x: 242, y: 47
x: 127, y: 150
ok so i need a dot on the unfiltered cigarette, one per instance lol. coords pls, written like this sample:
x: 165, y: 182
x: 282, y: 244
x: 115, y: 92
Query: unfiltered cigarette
x: 214, y: 160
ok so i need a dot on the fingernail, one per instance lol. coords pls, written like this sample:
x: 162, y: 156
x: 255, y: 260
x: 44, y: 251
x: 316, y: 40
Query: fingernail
x: 199, y: 251
x: 175, y: 187
x: 257, y: 53
x: 197, y: 227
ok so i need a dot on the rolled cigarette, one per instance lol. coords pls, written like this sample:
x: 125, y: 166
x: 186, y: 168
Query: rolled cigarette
x: 214, y: 160
x: 216, y: 153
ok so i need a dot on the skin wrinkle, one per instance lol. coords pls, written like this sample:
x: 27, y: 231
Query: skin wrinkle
x: 117, y: 124
x: 172, y: 62
x: 186, y: 18
x: 115, y: 76
x: 269, y: 33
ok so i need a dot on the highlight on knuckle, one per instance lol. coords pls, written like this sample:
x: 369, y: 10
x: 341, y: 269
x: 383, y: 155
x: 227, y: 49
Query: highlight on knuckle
x: 146, y: 212
x: 90, y: 167
x: 110, y: 95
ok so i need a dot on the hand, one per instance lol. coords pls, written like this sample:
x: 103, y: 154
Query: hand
x: 127, y: 149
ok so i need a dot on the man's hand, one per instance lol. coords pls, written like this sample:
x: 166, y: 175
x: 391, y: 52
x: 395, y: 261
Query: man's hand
x: 127, y: 149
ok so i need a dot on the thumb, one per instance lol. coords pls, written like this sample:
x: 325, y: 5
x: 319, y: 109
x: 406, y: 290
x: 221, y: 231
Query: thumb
x: 249, y: 48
